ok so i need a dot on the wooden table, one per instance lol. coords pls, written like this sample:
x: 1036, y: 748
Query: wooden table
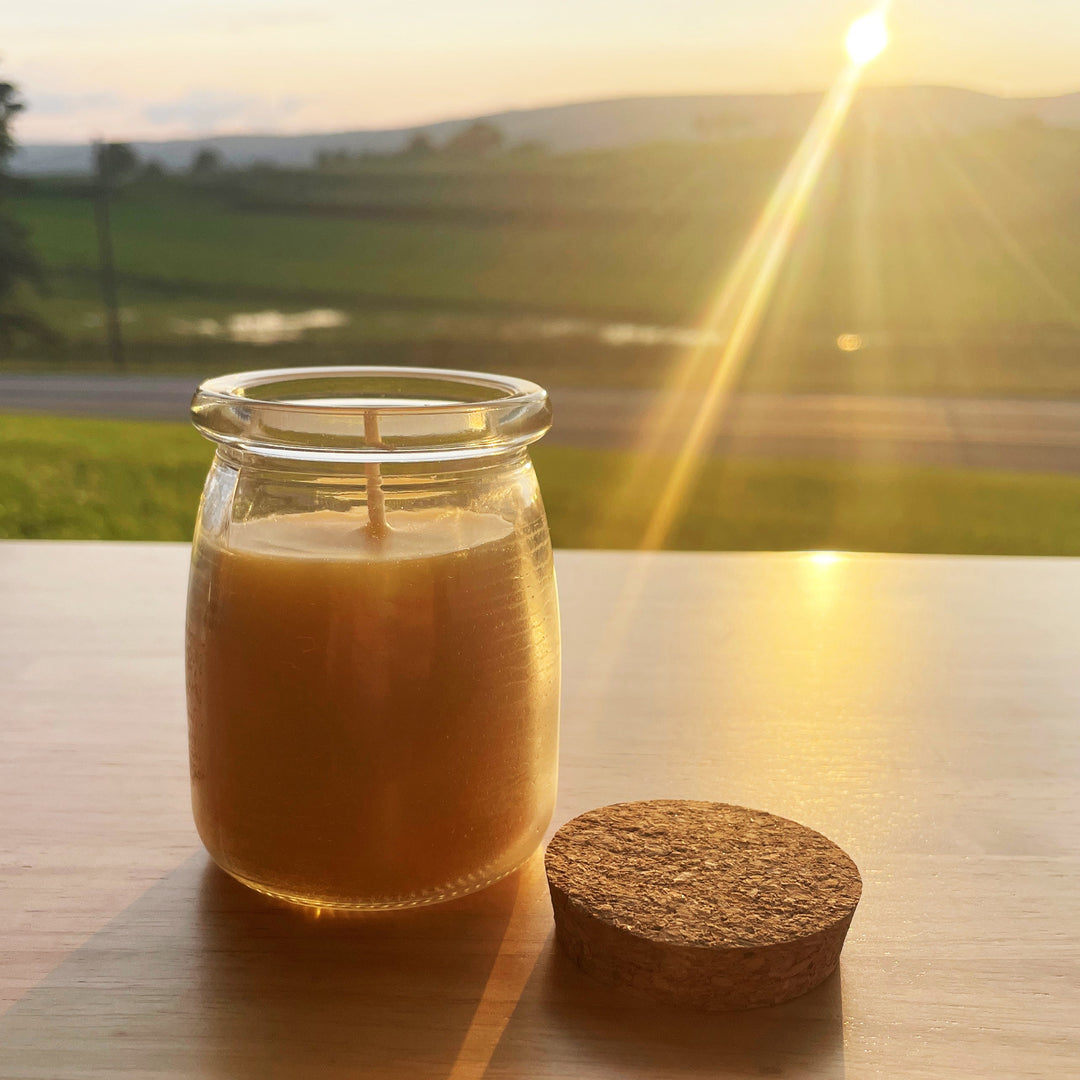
x: 923, y: 712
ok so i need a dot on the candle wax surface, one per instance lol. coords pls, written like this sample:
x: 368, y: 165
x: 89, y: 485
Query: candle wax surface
x: 373, y: 720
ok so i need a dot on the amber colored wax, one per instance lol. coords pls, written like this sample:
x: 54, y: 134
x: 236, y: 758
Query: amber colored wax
x: 373, y: 721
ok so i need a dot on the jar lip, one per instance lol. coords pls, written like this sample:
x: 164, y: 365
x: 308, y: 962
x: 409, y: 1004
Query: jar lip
x: 371, y: 413
x: 234, y: 385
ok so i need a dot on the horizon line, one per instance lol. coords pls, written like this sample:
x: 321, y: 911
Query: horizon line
x: 518, y: 109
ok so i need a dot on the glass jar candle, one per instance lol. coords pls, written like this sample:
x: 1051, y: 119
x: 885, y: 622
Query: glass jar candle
x: 372, y: 634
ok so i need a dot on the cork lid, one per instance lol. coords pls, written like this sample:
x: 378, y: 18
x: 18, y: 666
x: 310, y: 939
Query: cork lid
x: 702, y: 904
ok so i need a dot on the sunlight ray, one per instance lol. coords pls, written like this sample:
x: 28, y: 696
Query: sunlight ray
x: 741, y: 304
x: 733, y: 318
x: 1010, y: 242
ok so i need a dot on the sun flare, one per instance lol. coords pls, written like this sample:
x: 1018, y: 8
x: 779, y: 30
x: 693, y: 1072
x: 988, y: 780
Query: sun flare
x: 867, y: 38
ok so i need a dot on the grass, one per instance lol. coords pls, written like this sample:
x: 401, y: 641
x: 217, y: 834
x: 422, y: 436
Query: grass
x: 133, y: 480
x: 75, y: 479
x: 203, y: 250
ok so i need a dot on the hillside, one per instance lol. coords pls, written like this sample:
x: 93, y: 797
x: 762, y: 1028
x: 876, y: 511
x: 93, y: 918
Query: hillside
x: 610, y: 124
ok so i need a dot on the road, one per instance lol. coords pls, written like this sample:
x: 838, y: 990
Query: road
x: 994, y: 433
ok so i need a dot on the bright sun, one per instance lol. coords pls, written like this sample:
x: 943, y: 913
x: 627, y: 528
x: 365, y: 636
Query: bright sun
x: 867, y: 38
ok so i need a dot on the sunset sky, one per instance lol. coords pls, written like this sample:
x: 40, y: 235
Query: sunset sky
x: 132, y: 69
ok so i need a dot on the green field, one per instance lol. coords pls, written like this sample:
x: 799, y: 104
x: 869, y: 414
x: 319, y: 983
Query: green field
x: 957, y: 259
x: 127, y: 480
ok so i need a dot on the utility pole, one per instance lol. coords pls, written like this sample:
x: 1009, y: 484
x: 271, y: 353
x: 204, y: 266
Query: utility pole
x: 107, y: 268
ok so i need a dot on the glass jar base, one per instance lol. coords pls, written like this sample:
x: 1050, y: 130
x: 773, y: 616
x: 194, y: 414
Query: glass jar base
x: 454, y: 891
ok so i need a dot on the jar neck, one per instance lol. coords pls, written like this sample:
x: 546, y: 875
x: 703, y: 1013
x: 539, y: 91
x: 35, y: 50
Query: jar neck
x: 254, y: 486
x: 342, y: 469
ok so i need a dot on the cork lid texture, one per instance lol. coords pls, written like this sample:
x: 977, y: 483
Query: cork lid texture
x: 699, y: 904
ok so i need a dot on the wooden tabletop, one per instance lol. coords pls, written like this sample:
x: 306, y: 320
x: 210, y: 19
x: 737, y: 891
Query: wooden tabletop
x: 922, y: 712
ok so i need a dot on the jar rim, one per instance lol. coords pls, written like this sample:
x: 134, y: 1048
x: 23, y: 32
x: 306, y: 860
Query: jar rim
x: 371, y: 413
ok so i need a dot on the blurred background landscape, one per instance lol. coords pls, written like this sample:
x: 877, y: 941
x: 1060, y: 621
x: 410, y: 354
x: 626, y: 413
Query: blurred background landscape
x: 910, y: 380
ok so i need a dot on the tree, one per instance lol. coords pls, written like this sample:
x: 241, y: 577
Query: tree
x: 479, y: 139
x: 332, y: 159
x: 418, y: 146
x: 207, y: 162
x: 527, y: 151
x: 18, y: 265
x: 115, y: 162
x: 10, y: 107
x: 719, y: 125
x: 1029, y: 122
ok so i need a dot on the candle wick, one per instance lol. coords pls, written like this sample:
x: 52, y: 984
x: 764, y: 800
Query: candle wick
x: 376, y: 500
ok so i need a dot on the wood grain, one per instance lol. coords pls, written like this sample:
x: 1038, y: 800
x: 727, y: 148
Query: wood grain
x: 922, y: 712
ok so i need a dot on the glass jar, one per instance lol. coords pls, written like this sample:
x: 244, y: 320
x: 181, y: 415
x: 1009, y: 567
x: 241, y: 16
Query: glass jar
x: 372, y: 634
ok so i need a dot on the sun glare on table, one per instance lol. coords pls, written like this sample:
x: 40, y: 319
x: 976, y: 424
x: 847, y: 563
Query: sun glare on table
x: 867, y: 38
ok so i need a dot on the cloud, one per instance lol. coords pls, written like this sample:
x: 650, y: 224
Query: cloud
x: 47, y: 104
x: 62, y: 114
x: 207, y: 111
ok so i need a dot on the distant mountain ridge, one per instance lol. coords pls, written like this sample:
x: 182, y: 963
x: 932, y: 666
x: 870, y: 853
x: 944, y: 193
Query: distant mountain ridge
x: 594, y: 125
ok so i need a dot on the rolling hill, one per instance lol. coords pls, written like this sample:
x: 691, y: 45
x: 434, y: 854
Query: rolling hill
x: 598, y: 125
